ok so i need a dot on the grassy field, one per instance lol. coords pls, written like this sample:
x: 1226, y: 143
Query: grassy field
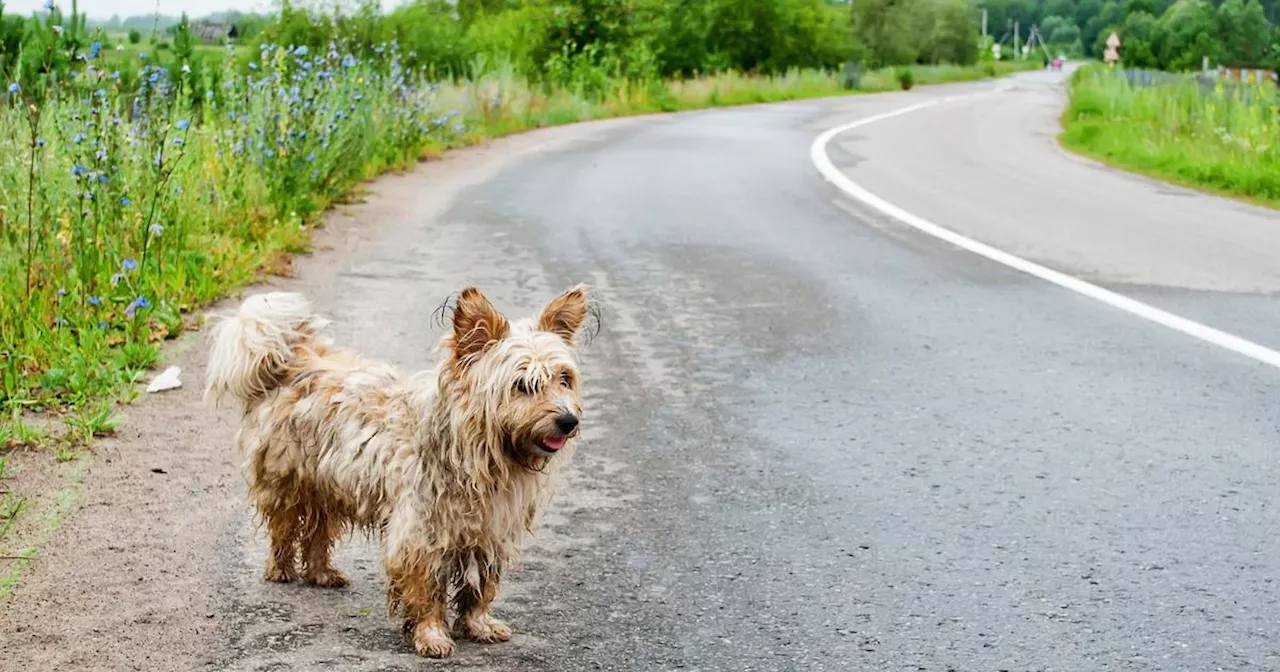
x: 122, y: 214
x: 1223, y: 138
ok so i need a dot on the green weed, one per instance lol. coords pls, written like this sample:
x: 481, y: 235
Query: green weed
x: 10, y: 506
x: 1218, y: 136
x: 91, y: 422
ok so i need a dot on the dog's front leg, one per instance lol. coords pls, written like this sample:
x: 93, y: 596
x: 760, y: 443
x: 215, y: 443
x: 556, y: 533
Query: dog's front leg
x: 424, y: 597
x: 473, y: 601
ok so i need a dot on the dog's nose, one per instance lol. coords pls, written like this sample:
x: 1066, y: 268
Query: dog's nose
x: 566, y: 423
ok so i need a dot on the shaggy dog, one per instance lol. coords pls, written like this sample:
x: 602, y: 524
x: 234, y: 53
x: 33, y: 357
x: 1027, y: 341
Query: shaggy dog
x: 449, y: 465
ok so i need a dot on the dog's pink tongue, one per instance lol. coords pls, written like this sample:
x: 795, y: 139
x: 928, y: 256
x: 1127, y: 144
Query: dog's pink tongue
x: 554, y: 443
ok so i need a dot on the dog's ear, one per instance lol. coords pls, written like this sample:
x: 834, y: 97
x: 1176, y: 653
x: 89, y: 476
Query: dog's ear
x: 477, y: 325
x: 566, y: 313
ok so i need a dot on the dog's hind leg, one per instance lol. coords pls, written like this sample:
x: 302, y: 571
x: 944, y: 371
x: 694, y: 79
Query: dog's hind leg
x: 478, y: 586
x: 322, y: 530
x: 282, y: 562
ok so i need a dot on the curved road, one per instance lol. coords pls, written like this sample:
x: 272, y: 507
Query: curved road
x: 818, y: 439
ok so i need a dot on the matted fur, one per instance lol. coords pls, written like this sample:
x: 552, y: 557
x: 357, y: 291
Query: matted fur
x: 449, y: 465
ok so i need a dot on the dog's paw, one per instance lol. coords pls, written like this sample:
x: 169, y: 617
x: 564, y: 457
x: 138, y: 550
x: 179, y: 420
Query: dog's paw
x: 484, y: 629
x: 328, y: 578
x: 278, y: 574
x: 432, y: 641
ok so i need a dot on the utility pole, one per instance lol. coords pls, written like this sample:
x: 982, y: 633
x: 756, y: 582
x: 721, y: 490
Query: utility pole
x: 984, y: 24
x: 1017, y: 51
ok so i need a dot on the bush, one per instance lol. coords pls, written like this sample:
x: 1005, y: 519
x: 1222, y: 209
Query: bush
x: 906, y: 78
x: 134, y: 36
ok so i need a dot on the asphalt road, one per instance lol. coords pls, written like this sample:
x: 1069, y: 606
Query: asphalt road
x: 817, y: 439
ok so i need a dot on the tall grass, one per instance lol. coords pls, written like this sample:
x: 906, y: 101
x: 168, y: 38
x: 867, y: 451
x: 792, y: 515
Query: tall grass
x: 121, y: 208
x: 124, y: 207
x: 1221, y: 136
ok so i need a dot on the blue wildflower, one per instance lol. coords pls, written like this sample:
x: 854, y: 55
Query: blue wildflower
x: 142, y: 55
x: 48, y: 5
x: 124, y: 200
x: 100, y: 155
x: 183, y: 125
x: 101, y: 93
x: 178, y: 141
x: 301, y: 51
x: 129, y: 264
x: 253, y: 66
x: 78, y: 170
x: 79, y: 138
x: 62, y: 291
x: 155, y: 229
x: 116, y: 278
x: 14, y: 88
x: 155, y: 77
x: 102, y: 324
x: 140, y: 302
x: 40, y: 142
x: 102, y: 178
x: 95, y: 301
x: 186, y: 69
x: 115, y: 75
x: 311, y: 157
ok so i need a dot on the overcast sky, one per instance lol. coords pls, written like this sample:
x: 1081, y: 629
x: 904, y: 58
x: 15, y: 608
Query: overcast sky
x: 104, y: 9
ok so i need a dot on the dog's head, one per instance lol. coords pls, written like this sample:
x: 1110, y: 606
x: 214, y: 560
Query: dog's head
x: 520, y: 377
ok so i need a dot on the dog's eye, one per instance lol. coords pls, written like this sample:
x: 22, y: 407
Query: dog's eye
x: 566, y: 379
x: 522, y: 386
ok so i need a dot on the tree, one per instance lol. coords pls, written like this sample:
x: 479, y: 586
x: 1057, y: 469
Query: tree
x: 1063, y: 8
x: 1186, y: 35
x: 1137, y: 34
x: 1086, y: 10
x: 1099, y: 28
x: 1243, y: 32
x: 1140, y: 7
x: 955, y: 34
x: 884, y: 27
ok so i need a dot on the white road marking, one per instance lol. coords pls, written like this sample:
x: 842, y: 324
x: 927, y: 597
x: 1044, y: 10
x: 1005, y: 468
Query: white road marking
x: 1222, y: 339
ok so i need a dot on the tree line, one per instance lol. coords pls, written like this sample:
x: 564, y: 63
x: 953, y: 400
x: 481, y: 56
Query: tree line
x: 654, y: 38
x: 1166, y: 34
x: 586, y: 42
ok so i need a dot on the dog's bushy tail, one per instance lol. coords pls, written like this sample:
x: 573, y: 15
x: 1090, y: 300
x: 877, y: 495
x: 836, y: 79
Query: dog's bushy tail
x: 252, y: 348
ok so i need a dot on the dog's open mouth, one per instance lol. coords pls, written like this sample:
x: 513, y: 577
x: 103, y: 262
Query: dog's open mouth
x: 553, y: 443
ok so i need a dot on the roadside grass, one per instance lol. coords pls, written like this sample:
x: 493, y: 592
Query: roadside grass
x: 124, y: 210
x: 1223, y: 138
